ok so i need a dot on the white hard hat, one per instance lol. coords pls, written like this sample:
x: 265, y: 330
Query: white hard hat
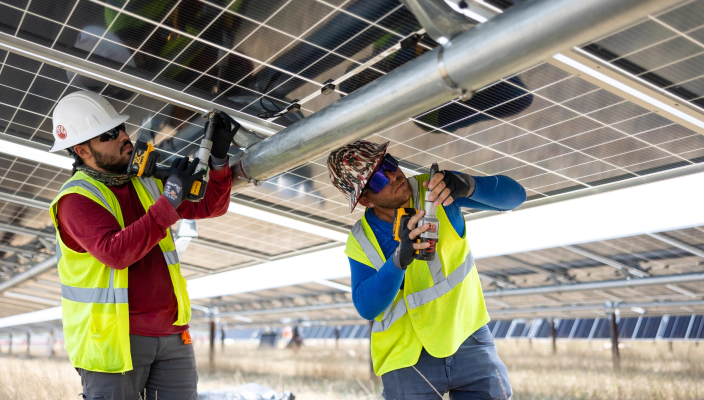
x: 81, y: 116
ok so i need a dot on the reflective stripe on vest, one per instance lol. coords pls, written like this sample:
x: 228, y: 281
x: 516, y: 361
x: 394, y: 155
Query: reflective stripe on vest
x: 151, y: 187
x: 441, y: 285
x: 110, y: 294
x: 58, y: 252
x: 440, y: 288
x: 95, y: 295
x: 91, y: 295
x: 373, y: 255
x: 92, y: 189
x: 390, y: 317
x: 171, y: 257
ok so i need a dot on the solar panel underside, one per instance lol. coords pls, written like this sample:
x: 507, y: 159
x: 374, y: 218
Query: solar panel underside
x: 552, y: 131
x: 548, y: 129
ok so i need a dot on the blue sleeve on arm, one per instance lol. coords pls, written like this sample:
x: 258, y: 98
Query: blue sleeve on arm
x: 494, y: 193
x: 373, y: 291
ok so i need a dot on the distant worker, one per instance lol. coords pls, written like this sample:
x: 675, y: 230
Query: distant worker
x: 125, y: 304
x: 429, y: 334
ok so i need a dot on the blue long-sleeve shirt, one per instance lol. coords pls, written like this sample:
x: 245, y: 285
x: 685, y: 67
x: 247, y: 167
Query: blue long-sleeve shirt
x: 373, y: 291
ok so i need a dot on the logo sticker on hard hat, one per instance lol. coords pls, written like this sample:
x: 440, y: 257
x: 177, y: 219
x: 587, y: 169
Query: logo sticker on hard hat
x: 61, y: 132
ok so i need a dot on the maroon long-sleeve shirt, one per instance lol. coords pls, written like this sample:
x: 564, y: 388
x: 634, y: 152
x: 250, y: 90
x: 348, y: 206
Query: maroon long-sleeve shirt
x: 84, y: 225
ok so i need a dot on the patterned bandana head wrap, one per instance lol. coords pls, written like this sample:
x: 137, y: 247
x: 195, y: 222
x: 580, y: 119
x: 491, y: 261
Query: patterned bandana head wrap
x: 106, y: 178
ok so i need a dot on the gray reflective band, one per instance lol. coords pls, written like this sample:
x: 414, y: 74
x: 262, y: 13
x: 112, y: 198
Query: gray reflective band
x: 58, y: 250
x: 171, y: 257
x: 367, y: 247
x: 436, y: 270
x: 390, y: 317
x: 152, y: 188
x: 441, y: 288
x: 92, y: 189
x: 416, y: 193
x: 97, y: 295
x: 108, y: 295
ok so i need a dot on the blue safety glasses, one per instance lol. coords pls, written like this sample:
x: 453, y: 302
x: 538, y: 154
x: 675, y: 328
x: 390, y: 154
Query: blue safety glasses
x: 378, y: 180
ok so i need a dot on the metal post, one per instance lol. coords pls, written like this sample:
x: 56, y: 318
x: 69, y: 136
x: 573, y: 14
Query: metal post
x: 211, y: 353
x: 222, y: 338
x: 9, y: 350
x: 553, y: 335
x: 614, y: 337
x: 524, y: 36
x: 29, y: 341
x: 50, y: 349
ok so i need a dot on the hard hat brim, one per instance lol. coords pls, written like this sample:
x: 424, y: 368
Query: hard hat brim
x: 65, y: 144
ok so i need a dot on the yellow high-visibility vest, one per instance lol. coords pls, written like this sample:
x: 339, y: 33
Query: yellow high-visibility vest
x: 95, y: 310
x: 441, y: 303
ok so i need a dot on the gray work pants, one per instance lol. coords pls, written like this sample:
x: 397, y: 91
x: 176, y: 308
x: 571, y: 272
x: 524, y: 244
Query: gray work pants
x: 474, y: 372
x: 163, y: 366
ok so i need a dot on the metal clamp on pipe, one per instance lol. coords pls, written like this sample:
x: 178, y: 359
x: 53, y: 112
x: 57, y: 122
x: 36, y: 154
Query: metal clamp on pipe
x: 447, y: 81
x: 239, y: 173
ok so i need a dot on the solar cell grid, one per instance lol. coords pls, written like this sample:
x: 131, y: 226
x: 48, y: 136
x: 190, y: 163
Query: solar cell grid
x: 565, y: 328
x: 584, y: 328
x: 519, y: 330
x: 552, y: 131
x: 666, y: 50
x: 697, y: 328
x: 551, y: 88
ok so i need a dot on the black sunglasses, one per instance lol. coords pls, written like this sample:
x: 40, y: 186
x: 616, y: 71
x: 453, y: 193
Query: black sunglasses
x: 112, y: 134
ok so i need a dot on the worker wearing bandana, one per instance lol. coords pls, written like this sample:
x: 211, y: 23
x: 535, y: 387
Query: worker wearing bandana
x: 429, y: 333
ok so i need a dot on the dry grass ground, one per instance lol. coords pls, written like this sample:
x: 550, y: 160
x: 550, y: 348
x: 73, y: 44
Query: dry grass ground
x: 580, y: 370
x: 584, y: 370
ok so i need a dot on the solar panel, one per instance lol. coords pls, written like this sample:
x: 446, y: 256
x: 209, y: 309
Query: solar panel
x: 519, y: 330
x: 584, y: 328
x: 697, y: 328
x: 681, y: 325
x: 564, y: 327
x: 552, y: 131
x: 666, y: 51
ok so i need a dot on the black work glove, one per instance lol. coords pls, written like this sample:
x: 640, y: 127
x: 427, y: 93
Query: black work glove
x: 460, y: 185
x: 181, y: 178
x: 405, y: 253
x: 224, y: 131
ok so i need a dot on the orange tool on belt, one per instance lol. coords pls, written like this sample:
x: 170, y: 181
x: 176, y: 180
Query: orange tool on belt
x: 186, y: 337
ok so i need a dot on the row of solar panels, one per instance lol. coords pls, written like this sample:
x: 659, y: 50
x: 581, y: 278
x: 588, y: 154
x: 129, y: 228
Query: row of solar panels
x: 312, y: 332
x: 668, y: 327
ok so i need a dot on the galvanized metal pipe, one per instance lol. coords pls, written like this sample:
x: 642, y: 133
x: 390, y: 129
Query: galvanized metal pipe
x: 519, y: 38
x: 36, y: 270
x: 580, y: 287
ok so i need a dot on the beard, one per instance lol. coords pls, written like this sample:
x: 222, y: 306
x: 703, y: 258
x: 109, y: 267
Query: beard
x: 110, y: 162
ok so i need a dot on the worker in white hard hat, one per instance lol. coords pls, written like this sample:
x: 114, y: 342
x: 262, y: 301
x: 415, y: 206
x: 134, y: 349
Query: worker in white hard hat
x: 429, y: 334
x: 124, y: 301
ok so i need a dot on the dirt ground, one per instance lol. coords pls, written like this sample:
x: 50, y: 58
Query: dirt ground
x: 579, y: 370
